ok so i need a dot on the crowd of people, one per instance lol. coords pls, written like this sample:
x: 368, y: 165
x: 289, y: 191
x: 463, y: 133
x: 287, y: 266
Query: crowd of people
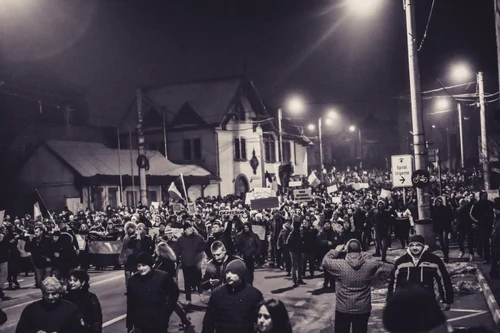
x: 218, y: 250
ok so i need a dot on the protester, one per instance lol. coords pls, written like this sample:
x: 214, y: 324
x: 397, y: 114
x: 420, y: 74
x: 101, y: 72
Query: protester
x: 215, y: 273
x: 309, y: 239
x: 233, y: 307
x: 442, y: 216
x: 151, y: 297
x: 353, y: 275
x: 4, y: 258
x: 41, y: 251
x: 295, y: 244
x: 421, y: 266
x: 78, y: 293
x: 64, y: 255
x: 482, y: 214
x: 382, y: 222
x: 248, y: 245
x: 495, y: 242
x: 464, y: 229
x: 273, y: 317
x: 51, y: 313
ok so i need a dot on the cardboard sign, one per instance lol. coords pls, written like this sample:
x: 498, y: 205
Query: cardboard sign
x: 177, y: 207
x: 155, y: 204
x: 492, y: 194
x: 265, y: 203
x: 359, y: 186
x: 336, y: 199
x: 385, y: 194
x: 2, y: 215
x: 260, y: 230
x: 332, y: 188
x: 295, y: 184
x: 248, y: 198
x: 303, y: 195
x: 191, y: 208
x: 232, y: 212
x: 81, y: 242
x: 262, y: 192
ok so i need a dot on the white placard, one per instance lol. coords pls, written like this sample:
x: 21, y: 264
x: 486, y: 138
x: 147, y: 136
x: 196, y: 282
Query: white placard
x: 303, y: 195
x: 402, y: 169
x: 262, y: 192
x: 336, y: 199
x: 295, y: 184
x: 2, y: 214
x: 492, y: 194
x: 385, y: 194
x: 191, y: 208
x: 248, y: 198
x: 332, y: 188
x: 359, y: 186
x: 155, y: 204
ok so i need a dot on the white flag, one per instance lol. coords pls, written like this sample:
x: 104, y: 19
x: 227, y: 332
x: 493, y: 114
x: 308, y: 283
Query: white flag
x: 277, y: 173
x: 37, y: 213
x: 313, y: 180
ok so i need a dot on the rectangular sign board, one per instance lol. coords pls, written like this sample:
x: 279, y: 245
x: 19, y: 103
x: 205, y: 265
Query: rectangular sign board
x: 303, y: 195
x: 402, y: 169
x: 295, y: 184
x: 265, y: 203
x: 332, y: 188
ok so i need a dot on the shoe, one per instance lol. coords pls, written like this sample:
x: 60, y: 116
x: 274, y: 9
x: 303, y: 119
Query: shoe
x: 17, y: 286
x: 288, y: 274
x: 312, y: 275
x: 2, y: 294
x: 295, y: 284
x: 325, y: 285
x: 471, y: 257
x: 302, y: 282
x: 461, y: 255
x: 10, y: 287
x: 376, y: 254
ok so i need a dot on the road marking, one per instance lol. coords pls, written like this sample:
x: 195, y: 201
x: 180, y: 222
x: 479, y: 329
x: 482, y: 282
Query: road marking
x: 466, y: 310
x: 112, y: 321
x: 319, y: 283
x: 38, y: 291
x: 300, y: 303
x: 467, y: 316
x: 20, y: 280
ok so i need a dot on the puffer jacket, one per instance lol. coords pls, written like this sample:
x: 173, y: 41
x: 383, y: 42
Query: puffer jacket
x: 248, y: 243
x: 353, y: 276
x: 423, y: 270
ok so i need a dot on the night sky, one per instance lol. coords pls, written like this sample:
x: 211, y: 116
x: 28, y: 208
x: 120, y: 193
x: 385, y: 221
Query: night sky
x: 317, y: 49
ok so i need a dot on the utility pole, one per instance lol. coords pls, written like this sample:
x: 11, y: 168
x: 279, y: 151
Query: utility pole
x: 280, y: 116
x: 164, y: 134
x: 419, y: 148
x: 484, y: 137
x: 143, y: 188
x: 320, y: 136
x: 461, y: 130
x: 360, y: 149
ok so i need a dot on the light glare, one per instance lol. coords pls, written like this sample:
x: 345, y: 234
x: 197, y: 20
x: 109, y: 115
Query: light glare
x: 443, y: 104
x: 363, y: 7
x: 311, y: 127
x: 352, y: 128
x: 296, y: 104
x: 460, y: 73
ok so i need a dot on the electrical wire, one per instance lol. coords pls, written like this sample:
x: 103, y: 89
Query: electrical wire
x: 427, y: 26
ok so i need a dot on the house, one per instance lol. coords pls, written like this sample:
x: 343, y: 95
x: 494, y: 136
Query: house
x: 81, y: 174
x: 221, y: 125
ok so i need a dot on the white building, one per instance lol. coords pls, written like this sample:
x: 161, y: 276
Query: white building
x: 221, y: 125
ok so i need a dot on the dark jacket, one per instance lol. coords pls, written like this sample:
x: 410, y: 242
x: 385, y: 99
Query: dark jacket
x: 189, y: 249
x: 429, y: 269
x: 67, y: 253
x: 60, y: 317
x: 89, y: 307
x: 222, y: 236
x: 41, y: 250
x: 294, y: 240
x: 482, y: 213
x: 232, y: 310
x: 166, y: 265
x: 442, y: 217
x: 309, y: 239
x: 248, y: 243
x: 325, y: 236
x: 464, y: 220
x: 216, y: 270
x: 4, y: 248
x: 353, y: 275
x: 359, y: 219
x: 151, y: 299
x: 282, y: 238
x: 382, y: 220
x: 144, y: 244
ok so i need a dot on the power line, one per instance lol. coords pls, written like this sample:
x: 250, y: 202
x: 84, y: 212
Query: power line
x: 427, y: 26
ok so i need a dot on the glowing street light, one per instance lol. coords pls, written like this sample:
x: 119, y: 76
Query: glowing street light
x: 460, y: 73
x: 363, y: 7
x: 332, y: 114
x: 296, y: 104
x: 443, y: 104
x: 352, y: 128
x: 311, y: 127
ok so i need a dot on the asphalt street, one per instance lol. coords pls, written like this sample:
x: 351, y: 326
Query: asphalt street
x: 310, y: 309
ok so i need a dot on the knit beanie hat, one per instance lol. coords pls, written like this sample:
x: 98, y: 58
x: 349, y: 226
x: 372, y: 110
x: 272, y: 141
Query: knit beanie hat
x: 145, y: 259
x: 239, y: 268
x: 417, y: 239
x: 412, y: 309
x: 186, y: 225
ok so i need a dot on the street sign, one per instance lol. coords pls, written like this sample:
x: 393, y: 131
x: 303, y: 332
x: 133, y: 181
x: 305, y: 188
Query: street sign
x: 402, y: 168
x: 420, y: 178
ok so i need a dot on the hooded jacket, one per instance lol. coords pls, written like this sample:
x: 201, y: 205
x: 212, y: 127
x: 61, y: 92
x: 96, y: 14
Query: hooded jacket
x: 189, y: 249
x: 442, y: 217
x: 353, y: 276
x: 294, y: 239
x: 248, y: 243
x: 423, y: 270
x: 482, y: 213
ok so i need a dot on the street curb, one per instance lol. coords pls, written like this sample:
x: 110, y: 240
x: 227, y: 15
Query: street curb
x: 490, y: 298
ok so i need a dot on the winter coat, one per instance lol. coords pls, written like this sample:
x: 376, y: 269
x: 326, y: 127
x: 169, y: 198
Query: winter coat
x: 4, y: 248
x: 60, y: 317
x: 67, y: 254
x: 325, y: 236
x: 189, y: 249
x: 166, y: 265
x: 222, y: 236
x: 442, y: 217
x: 309, y: 239
x: 232, y: 310
x: 41, y: 250
x: 89, y: 307
x: 282, y: 238
x: 464, y: 220
x: 151, y: 299
x: 353, y: 277
x: 294, y: 240
x: 248, y: 244
x: 216, y: 270
x: 425, y: 270
x: 144, y: 244
x: 359, y: 219
x: 482, y: 213
x: 382, y: 220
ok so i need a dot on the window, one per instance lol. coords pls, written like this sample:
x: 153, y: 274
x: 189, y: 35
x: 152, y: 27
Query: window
x: 152, y: 196
x: 130, y: 198
x: 197, y: 149
x: 192, y: 149
x: 113, y: 197
x: 240, y: 149
x: 269, y: 148
x: 239, y: 112
x: 97, y: 198
x: 287, y: 152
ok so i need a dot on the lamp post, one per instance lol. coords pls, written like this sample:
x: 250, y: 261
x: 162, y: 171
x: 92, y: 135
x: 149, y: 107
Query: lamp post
x: 353, y: 128
x: 331, y: 115
x: 295, y: 104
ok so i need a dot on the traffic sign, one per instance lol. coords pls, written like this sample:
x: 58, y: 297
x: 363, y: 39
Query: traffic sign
x: 420, y: 178
x: 402, y: 168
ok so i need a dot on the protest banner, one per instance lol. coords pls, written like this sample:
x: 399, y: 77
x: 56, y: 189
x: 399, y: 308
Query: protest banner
x: 303, y: 195
x: 191, y: 208
x: 260, y: 230
x: 262, y: 192
x: 359, y: 186
x: 295, y: 184
x: 336, y: 199
x: 492, y: 194
x: 177, y: 207
x: 332, y: 188
x: 105, y: 253
x: 385, y: 194
x: 265, y: 203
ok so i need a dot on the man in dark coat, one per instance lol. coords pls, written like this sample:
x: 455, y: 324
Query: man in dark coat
x: 309, y: 239
x: 233, y: 307
x: 248, y: 245
x: 482, y: 214
x: 151, y: 298
x: 296, y: 247
x: 40, y: 248
x: 64, y: 255
x: 215, y: 274
x: 222, y: 235
x: 381, y: 220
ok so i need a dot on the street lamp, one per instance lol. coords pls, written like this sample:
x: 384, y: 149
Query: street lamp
x: 353, y: 128
x: 330, y: 116
x: 296, y: 105
x: 362, y: 7
x: 443, y: 104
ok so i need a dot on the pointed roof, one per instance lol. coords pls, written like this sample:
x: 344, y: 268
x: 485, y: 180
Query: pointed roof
x: 187, y: 116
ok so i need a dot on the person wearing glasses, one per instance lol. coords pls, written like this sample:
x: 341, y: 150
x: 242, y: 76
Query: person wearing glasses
x: 215, y: 274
